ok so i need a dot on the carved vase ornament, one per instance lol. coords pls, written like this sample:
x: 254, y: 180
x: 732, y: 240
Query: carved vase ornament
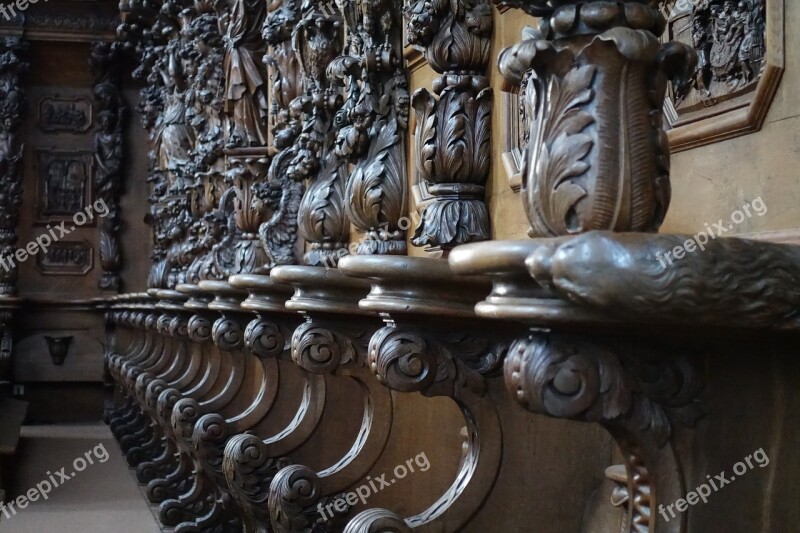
x: 596, y: 73
x: 453, y: 136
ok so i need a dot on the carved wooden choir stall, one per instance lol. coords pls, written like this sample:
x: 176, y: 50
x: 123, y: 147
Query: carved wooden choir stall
x: 332, y: 341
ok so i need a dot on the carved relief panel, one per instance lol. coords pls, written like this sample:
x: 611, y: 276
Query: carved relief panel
x: 739, y: 48
x: 66, y: 259
x: 65, y: 114
x: 63, y: 184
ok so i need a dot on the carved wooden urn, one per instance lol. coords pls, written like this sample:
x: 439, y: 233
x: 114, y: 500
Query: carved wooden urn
x: 594, y: 79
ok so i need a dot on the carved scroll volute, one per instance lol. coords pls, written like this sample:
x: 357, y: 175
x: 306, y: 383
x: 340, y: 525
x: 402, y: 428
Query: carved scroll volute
x: 373, y: 122
x: 108, y: 149
x: 596, y: 160
x: 636, y: 390
x: 317, y: 41
x: 453, y: 136
x: 13, y: 64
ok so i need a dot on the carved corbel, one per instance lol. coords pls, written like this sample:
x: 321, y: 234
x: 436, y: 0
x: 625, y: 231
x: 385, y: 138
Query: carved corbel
x: 595, y: 160
x: 13, y: 65
x: 448, y: 363
x: 453, y: 136
x: 636, y: 390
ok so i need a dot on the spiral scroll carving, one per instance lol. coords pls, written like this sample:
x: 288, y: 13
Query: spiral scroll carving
x: 377, y: 521
x: 249, y: 470
x: 178, y: 327
x: 166, y: 403
x: 265, y: 339
x: 199, y: 329
x: 228, y: 335
x: 211, y: 433
x: 154, y: 390
x: 322, y: 351
x: 162, y: 324
x: 407, y: 361
x: 184, y: 416
x: 593, y: 381
x: 293, y: 490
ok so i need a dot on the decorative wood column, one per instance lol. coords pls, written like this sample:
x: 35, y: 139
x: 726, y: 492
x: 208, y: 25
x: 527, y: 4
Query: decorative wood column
x: 108, y: 155
x: 454, y: 142
x: 317, y: 40
x: 13, y: 65
x: 372, y: 123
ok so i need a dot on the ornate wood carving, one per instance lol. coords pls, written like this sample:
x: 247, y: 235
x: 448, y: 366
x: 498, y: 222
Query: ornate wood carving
x: 634, y: 389
x: 595, y: 161
x: 453, y: 151
x: 245, y: 75
x: 373, y: 121
x: 108, y: 156
x: 740, y: 63
x: 13, y: 65
x: 317, y: 40
x: 72, y: 115
x: 63, y: 184
x: 67, y: 258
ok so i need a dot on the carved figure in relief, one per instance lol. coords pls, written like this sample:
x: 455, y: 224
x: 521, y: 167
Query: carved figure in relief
x: 245, y: 95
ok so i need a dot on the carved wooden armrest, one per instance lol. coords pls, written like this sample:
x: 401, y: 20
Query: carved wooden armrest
x: 433, y: 344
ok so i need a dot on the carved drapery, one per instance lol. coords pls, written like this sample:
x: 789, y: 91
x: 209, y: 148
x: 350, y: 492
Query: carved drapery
x: 13, y: 65
x: 245, y: 75
x: 595, y: 160
x: 453, y: 137
x: 108, y: 156
x: 373, y: 122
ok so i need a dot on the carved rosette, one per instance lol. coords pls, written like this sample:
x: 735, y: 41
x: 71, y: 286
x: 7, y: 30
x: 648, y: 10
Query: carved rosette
x: 596, y: 75
x: 105, y: 64
x: 13, y: 65
x: 453, y: 150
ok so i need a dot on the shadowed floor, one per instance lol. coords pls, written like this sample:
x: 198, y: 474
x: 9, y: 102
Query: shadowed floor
x: 102, y: 498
